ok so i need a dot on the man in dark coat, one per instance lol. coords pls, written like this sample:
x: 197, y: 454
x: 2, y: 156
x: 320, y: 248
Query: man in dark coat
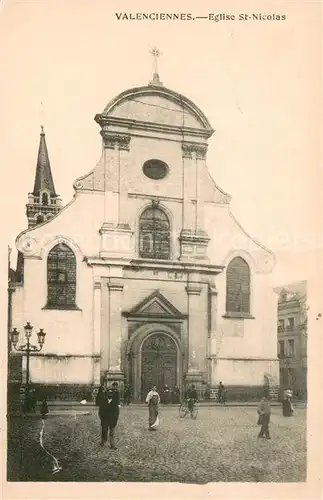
x: 221, y: 393
x: 264, y: 412
x: 127, y: 395
x: 108, y: 402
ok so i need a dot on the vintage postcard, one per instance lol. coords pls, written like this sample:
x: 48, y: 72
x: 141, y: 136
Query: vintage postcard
x: 162, y: 185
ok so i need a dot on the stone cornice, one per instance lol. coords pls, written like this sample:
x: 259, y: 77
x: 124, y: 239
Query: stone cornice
x: 112, y: 140
x: 169, y: 265
x: 151, y: 126
x: 189, y: 148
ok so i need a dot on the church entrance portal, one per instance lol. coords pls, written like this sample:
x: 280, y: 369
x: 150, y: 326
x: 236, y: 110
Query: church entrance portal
x: 158, y: 363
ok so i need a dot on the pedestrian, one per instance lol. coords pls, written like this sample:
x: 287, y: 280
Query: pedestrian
x: 44, y: 408
x: 207, y: 393
x: 153, y: 401
x: 32, y: 400
x: 288, y: 409
x: 107, y: 401
x: 264, y: 412
x: 191, y: 397
x: 115, y: 389
x: 166, y: 394
x: 221, y: 393
x: 127, y: 394
x: 175, y: 394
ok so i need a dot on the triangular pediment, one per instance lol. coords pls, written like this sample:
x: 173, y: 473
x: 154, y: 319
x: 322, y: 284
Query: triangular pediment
x: 155, y: 305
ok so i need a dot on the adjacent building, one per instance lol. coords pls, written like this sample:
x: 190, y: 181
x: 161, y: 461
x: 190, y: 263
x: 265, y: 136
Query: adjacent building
x: 145, y: 276
x: 292, y: 337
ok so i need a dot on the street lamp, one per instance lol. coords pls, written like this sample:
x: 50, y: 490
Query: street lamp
x: 28, y: 348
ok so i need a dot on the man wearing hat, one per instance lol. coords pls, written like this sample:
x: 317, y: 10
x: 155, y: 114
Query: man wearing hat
x: 107, y: 401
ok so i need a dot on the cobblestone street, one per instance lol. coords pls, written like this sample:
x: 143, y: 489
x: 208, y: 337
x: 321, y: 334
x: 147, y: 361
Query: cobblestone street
x: 220, y: 446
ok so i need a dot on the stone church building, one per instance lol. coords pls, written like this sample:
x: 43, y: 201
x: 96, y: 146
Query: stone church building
x: 145, y: 276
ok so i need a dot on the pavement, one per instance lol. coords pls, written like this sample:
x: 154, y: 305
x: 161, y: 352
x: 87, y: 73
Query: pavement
x: 221, y: 445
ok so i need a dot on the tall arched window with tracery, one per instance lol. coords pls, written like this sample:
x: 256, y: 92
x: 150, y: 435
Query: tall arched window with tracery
x: 61, y: 278
x: 154, y: 234
x: 238, y: 286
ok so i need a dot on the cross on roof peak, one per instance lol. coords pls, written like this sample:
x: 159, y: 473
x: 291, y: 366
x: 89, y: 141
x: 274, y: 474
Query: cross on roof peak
x: 156, y: 53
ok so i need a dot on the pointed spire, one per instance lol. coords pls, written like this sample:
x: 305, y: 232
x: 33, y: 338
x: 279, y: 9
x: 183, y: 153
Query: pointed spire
x: 43, y: 179
x: 156, y: 80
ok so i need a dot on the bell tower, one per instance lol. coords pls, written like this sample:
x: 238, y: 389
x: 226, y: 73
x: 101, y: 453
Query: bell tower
x: 43, y: 202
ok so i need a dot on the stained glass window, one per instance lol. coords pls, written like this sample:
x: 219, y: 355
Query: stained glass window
x: 61, y: 277
x: 154, y: 238
x: 238, y: 286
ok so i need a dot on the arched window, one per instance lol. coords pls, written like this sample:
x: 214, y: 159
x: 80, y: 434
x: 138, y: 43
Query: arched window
x: 40, y: 219
x: 154, y: 234
x: 238, y: 286
x: 44, y: 199
x: 61, y: 278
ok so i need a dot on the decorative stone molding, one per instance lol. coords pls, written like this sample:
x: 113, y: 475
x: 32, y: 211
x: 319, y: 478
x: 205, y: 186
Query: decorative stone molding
x: 121, y: 141
x: 97, y: 285
x: 115, y: 287
x: 28, y: 246
x: 116, y: 240
x: 193, y: 289
x: 193, y: 147
x: 193, y: 244
x: 194, y: 237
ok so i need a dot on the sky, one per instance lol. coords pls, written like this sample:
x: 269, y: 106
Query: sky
x: 258, y: 82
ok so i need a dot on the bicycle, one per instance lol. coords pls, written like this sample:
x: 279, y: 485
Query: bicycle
x: 185, y: 410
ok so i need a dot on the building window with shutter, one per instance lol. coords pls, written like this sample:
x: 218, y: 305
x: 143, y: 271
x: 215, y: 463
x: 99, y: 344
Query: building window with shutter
x: 61, y: 278
x: 238, y: 289
x: 154, y: 234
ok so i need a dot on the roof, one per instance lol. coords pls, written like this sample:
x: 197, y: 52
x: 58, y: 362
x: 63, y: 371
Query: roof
x: 293, y: 291
x: 155, y: 91
x: 43, y: 178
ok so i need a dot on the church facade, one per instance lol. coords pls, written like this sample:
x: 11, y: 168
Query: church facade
x: 145, y: 276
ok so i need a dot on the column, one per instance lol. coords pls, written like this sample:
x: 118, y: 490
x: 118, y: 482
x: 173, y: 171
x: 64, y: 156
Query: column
x: 96, y: 332
x: 115, y: 331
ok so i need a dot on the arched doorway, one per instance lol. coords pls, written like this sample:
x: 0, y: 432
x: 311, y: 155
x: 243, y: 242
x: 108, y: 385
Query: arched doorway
x: 158, y: 362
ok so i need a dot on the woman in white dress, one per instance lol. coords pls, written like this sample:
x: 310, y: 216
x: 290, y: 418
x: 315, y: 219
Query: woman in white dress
x: 153, y: 401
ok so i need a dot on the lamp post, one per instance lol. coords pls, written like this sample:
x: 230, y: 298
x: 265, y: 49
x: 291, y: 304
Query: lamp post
x: 28, y: 348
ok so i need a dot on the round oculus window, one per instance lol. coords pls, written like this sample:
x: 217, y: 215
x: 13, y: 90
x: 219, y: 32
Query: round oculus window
x: 155, y: 169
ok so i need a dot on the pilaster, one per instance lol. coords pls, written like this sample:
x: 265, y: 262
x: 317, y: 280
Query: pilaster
x: 96, y: 330
x: 114, y: 146
x: 114, y: 372
x: 193, y: 238
x: 197, y: 338
x: 189, y: 188
x: 105, y: 328
x: 213, y: 296
x: 116, y: 234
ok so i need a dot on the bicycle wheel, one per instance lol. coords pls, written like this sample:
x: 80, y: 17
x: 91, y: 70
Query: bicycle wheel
x: 195, y: 412
x: 182, y: 411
